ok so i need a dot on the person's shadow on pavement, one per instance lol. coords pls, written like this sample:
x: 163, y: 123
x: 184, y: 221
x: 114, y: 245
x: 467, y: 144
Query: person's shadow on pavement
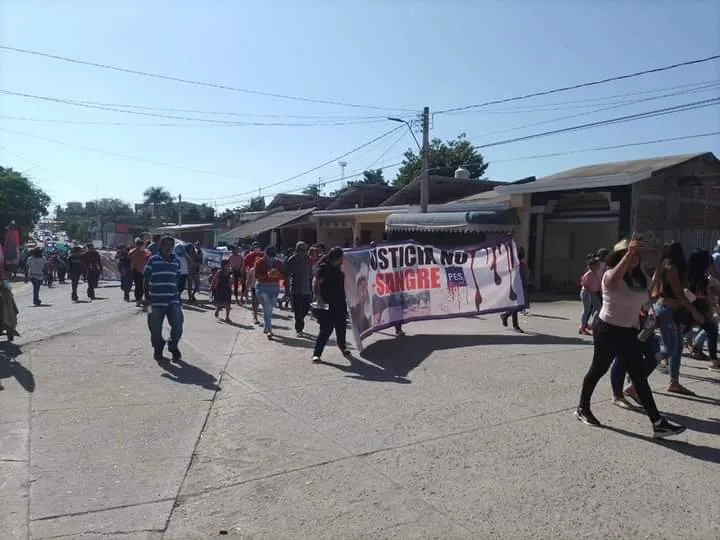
x: 181, y: 372
x: 10, y: 367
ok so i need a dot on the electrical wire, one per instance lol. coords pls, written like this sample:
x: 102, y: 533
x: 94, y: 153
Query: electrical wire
x: 585, y: 84
x: 618, y: 120
x: 194, y: 82
x: 712, y: 86
x: 188, y: 118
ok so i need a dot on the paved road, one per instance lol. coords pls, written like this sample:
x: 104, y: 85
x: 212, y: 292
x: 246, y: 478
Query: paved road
x: 460, y: 430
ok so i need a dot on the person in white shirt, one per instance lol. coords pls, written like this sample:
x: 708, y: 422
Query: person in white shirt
x: 36, y: 268
x: 181, y: 254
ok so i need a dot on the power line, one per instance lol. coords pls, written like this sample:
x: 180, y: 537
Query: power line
x: 590, y: 102
x: 194, y: 82
x: 188, y: 118
x: 313, y: 169
x: 618, y: 120
x: 612, y: 147
x: 584, y: 85
x: 712, y: 86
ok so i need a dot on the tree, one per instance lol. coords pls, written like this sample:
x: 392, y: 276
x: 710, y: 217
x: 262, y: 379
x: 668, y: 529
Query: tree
x: 21, y: 200
x: 111, y: 207
x: 312, y: 190
x: 156, y: 197
x: 256, y: 204
x: 369, y: 177
x: 444, y: 158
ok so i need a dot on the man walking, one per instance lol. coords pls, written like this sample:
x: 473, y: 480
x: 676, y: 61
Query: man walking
x: 161, y: 294
x: 93, y: 267
x: 76, y: 269
x: 139, y: 257
x: 298, y: 278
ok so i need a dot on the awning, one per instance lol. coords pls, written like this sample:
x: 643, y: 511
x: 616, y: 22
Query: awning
x: 267, y: 223
x: 454, y: 222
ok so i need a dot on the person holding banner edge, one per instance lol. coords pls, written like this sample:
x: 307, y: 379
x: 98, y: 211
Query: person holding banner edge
x: 331, y: 303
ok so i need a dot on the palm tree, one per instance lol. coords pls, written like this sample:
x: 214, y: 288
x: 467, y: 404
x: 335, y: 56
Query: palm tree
x: 157, y: 196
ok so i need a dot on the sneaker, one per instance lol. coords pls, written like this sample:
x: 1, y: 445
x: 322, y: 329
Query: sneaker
x: 586, y: 417
x: 400, y: 333
x: 518, y: 330
x: 316, y: 359
x: 176, y: 355
x: 299, y: 334
x: 158, y: 355
x: 664, y: 428
x: 504, y: 320
x: 698, y: 355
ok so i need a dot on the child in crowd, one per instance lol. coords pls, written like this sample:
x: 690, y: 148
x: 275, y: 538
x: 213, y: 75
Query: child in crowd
x: 589, y: 289
x: 222, y: 287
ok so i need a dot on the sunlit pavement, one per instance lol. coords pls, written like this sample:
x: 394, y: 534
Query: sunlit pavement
x: 462, y: 429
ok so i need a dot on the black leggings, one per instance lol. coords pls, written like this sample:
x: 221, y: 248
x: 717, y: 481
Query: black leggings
x: 611, y: 341
x: 329, y: 320
x: 236, y: 281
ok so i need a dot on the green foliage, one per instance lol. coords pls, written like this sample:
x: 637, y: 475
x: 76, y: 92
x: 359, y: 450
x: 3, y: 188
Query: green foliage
x: 256, y: 204
x: 21, y: 201
x: 444, y: 158
x: 371, y: 176
x: 313, y: 189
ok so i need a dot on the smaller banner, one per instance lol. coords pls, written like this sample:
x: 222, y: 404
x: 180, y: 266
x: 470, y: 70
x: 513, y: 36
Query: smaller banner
x: 403, y: 282
x: 211, y: 259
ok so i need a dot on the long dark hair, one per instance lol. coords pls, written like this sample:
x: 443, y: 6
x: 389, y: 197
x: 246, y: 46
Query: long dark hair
x: 697, y: 269
x: 635, y: 278
x: 674, y: 255
x: 333, y: 255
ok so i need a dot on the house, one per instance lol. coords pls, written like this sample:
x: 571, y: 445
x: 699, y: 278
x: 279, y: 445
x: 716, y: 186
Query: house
x: 578, y: 211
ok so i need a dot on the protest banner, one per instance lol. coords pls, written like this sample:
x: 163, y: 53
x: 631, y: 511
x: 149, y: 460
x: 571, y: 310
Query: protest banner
x: 211, y: 259
x: 404, y: 282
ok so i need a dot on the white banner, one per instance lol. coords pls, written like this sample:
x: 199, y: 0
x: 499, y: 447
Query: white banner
x: 405, y: 282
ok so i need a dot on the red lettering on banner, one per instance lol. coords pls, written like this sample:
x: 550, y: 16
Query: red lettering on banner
x: 410, y: 279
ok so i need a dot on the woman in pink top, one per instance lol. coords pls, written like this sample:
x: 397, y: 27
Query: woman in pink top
x: 589, y: 290
x: 625, y: 292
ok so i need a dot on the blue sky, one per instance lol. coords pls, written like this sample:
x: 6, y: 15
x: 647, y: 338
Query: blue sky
x: 399, y: 55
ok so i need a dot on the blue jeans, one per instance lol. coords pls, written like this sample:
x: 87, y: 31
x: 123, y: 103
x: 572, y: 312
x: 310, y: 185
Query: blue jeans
x: 267, y: 294
x: 36, y: 284
x: 591, y: 304
x: 709, y: 333
x: 651, y: 348
x: 175, y: 318
x: 671, y: 337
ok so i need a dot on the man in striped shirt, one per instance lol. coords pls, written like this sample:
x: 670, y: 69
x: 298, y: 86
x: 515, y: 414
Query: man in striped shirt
x: 163, y: 299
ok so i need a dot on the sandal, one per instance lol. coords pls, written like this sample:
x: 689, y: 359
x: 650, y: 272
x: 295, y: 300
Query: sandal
x: 680, y: 389
x: 632, y: 394
x: 622, y: 403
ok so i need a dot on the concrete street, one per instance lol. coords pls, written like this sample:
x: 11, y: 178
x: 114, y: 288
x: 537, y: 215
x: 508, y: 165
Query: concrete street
x: 462, y: 429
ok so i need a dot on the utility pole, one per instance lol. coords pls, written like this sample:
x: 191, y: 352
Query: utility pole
x: 180, y: 209
x: 425, y: 158
x: 342, y: 164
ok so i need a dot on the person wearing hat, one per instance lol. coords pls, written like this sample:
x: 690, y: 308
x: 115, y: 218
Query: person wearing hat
x: 625, y: 293
x: 161, y: 278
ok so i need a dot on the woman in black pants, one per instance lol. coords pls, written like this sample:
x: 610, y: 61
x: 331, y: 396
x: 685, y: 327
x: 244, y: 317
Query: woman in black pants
x: 331, y: 311
x: 615, y: 333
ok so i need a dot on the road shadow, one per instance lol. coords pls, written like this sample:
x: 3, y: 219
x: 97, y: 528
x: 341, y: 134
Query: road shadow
x: 42, y: 304
x: 235, y: 324
x: 697, y: 451
x: 710, y: 426
x: 294, y: 342
x: 10, y: 367
x: 366, y: 372
x: 713, y: 380
x: 551, y: 317
x: 181, y: 372
x: 697, y: 398
x: 194, y: 307
x: 400, y: 355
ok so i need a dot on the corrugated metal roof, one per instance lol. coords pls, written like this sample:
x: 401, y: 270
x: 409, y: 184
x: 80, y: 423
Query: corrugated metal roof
x: 264, y: 224
x: 461, y: 222
x: 603, y: 175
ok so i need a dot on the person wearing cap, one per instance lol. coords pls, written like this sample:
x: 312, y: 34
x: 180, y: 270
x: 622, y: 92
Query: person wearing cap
x: 161, y: 279
x: 298, y: 277
x: 625, y: 293
x: 139, y: 256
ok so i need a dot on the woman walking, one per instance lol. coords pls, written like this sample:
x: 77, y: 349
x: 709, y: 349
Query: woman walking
x: 221, y: 287
x: 331, y: 312
x: 36, y: 268
x: 699, y: 268
x: 268, y: 273
x: 673, y: 309
x: 589, y: 289
x: 625, y: 292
